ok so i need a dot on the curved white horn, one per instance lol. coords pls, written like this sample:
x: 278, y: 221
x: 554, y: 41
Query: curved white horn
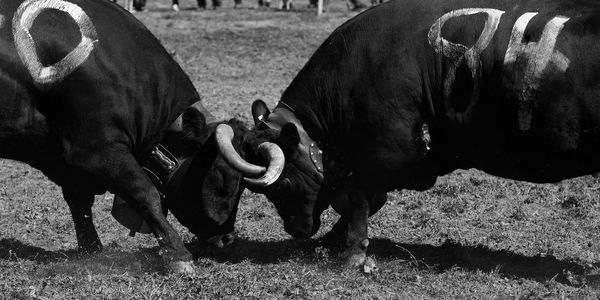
x: 224, y: 136
x: 274, y: 155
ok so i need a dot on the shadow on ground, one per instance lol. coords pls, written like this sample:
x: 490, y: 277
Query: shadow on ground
x: 113, y: 260
x: 452, y: 254
x: 438, y: 258
x: 12, y: 249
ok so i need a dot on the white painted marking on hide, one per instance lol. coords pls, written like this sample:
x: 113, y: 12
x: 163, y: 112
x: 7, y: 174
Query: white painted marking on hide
x: 537, y: 55
x: 23, y: 20
x: 458, y: 52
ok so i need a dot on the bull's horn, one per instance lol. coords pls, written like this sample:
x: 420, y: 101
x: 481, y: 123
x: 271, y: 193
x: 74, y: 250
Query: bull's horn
x: 224, y: 136
x: 270, y: 151
x: 274, y: 155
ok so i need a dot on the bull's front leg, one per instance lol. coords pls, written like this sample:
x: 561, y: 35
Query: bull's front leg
x: 80, y: 203
x: 123, y: 176
x: 357, y: 239
x: 340, y: 203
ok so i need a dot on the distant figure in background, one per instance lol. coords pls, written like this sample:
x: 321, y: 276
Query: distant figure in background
x: 285, y: 4
x: 138, y: 5
x: 354, y: 5
x: 201, y: 4
x: 265, y: 3
x: 375, y: 2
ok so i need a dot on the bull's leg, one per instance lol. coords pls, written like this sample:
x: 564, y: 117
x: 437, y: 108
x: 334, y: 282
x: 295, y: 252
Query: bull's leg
x: 357, y: 239
x: 339, y: 232
x: 122, y: 175
x: 80, y: 203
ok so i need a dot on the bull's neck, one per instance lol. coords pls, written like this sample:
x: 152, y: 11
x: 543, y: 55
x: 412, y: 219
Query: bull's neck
x: 325, y: 157
x: 283, y: 114
x: 310, y: 125
x: 166, y: 158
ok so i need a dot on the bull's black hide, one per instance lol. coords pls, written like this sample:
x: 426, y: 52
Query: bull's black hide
x: 413, y: 89
x: 87, y: 94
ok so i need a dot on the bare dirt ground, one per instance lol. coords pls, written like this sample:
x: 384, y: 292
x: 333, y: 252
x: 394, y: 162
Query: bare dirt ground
x: 471, y: 236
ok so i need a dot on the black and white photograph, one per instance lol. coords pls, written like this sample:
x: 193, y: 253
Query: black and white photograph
x: 305, y: 149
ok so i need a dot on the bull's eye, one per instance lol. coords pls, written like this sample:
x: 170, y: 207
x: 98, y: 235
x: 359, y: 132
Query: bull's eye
x: 285, y: 185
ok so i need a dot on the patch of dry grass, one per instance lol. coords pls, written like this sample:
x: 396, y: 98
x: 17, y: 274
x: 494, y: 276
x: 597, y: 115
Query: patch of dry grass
x: 471, y: 236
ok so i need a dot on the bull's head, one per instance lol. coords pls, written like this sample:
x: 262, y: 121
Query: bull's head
x: 292, y: 181
x: 204, y: 192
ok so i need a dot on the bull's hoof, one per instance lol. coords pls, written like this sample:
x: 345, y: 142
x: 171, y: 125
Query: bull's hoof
x: 366, y: 264
x: 357, y: 257
x: 356, y: 260
x: 369, y: 266
x: 221, y: 241
x: 90, y: 248
x: 181, y: 267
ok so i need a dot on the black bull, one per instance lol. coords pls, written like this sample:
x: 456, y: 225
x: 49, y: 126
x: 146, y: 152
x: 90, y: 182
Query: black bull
x: 414, y: 89
x: 87, y: 95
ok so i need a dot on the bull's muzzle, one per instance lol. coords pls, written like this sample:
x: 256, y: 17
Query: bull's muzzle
x: 301, y: 227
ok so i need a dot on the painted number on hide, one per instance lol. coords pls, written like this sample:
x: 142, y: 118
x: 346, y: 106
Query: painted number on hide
x: 457, y: 52
x: 537, y: 54
x: 23, y: 20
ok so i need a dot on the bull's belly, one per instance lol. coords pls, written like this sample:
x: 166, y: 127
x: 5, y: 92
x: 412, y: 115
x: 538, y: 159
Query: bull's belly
x: 25, y: 136
x: 540, y: 166
x: 549, y: 152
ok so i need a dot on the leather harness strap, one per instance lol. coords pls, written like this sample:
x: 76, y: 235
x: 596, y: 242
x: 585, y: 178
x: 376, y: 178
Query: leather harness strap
x: 283, y: 114
x: 325, y: 158
x: 161, y: 163
x: 160, y: 167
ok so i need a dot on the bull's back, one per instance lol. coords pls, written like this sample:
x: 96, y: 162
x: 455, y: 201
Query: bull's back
x: 508, y: 86
x: 90, y: 71
x: 515, y: 83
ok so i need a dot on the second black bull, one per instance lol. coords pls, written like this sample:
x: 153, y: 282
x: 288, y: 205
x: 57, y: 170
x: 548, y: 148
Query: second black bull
x: 411, y: 90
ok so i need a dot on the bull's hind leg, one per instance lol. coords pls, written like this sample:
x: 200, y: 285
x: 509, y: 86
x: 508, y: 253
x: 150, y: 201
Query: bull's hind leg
x: 120, y: 172
x: 80, y: 203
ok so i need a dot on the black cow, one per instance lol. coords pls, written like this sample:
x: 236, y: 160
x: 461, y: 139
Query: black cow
x: 92, y: 99
x: 413, y: 89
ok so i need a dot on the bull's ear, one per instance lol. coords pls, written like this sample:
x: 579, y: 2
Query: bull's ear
x: 260, y: 111
x: 289, y: 138
x: 194, y: 124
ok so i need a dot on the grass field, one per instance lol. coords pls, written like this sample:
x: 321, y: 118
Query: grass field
x: 471, y: 236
